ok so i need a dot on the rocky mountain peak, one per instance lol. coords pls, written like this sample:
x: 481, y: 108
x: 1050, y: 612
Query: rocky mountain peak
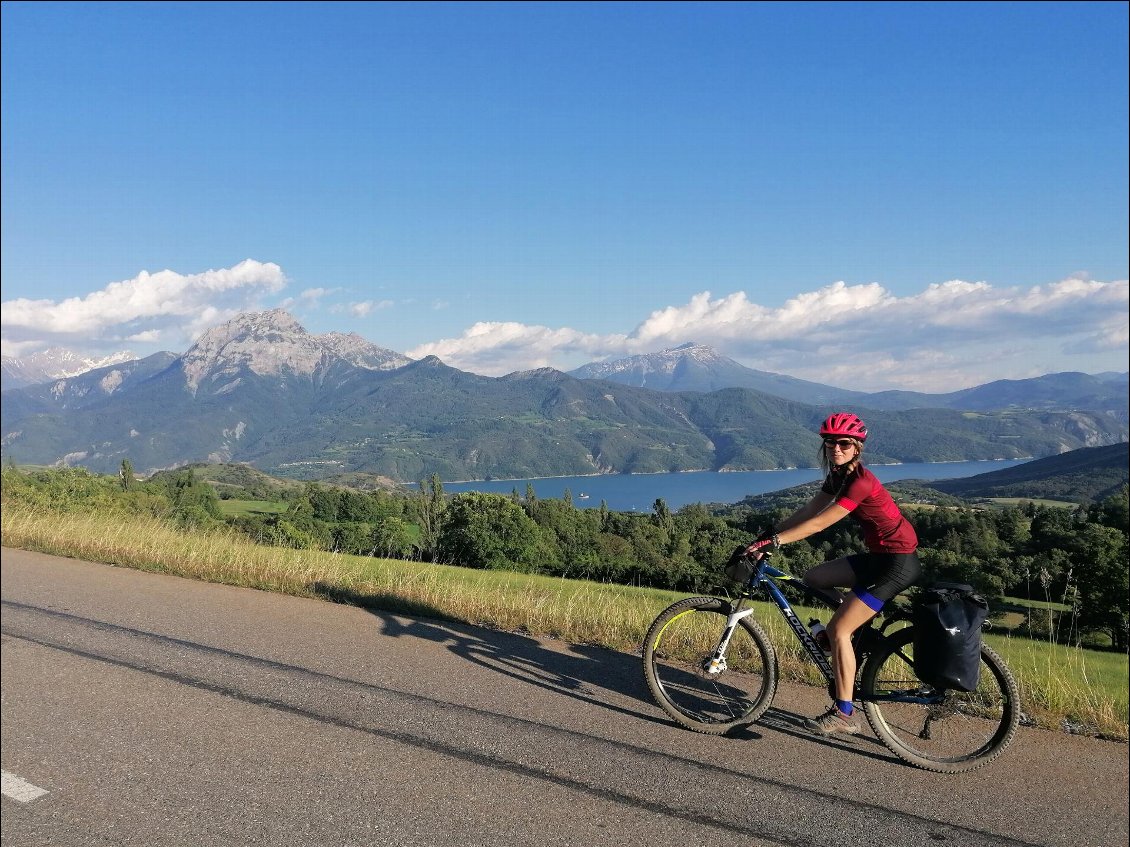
x: 274, y: 325
x: 265, y: 343
x: 364, y: 354
x: 273, y: 343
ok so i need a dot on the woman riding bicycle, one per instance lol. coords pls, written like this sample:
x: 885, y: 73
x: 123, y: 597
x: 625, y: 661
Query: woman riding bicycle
x: 889, y: 567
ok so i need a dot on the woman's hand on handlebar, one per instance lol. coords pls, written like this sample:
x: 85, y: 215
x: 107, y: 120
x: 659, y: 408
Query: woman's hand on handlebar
x: 762, y: 547
x: 756, y: 550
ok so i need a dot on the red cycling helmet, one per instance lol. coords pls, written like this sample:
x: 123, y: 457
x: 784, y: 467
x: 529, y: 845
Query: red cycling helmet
x: 844, y: 423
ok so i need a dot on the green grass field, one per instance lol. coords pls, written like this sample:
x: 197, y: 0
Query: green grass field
x: 236, y: 508
x: 1017, y: 501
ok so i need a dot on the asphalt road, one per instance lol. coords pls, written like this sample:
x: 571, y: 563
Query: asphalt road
x: 155, y: 711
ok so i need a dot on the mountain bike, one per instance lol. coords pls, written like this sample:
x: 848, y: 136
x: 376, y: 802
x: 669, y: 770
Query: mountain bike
x: 710, y: 665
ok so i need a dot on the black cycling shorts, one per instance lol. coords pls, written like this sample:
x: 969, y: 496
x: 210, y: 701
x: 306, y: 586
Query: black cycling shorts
x: 883, y: 575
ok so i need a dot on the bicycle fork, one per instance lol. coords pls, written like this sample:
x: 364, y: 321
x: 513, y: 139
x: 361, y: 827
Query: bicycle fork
x: 716, y: 664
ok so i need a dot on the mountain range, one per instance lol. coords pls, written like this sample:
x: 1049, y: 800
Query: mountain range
x: 54, y: 363
x: 261, y: 390
x: 1086, y: 475
x: 696, y: 367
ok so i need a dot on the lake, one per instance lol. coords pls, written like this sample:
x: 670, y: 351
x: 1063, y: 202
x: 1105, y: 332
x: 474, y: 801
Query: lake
x: 638, y: 492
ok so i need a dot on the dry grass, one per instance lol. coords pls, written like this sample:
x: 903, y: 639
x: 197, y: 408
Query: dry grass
x: 582, y: 612
x: 1082, y: 691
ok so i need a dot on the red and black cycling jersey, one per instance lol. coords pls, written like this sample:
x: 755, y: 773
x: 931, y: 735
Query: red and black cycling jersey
x: 885, y: 529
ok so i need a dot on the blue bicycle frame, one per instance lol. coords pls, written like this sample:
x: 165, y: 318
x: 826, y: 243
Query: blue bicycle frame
x: 765, y: 577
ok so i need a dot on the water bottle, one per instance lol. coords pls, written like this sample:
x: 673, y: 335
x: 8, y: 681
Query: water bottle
x: 820, y: 634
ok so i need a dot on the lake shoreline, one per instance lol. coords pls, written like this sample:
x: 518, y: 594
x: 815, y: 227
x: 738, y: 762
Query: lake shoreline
x: 703, y: 471
x: 639, y: 492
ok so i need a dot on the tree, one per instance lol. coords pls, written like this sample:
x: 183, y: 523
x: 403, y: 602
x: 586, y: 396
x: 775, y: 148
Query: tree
x: 353, y: 537
x: 1114, y: 511
x: 430, y: 505
x: 488, y: 531
x: 125, y: 474
x: 392, y: 537
x: 325, y: 503
x: 192, y: 498
x: 1099, y: 555
x: 286, y: 534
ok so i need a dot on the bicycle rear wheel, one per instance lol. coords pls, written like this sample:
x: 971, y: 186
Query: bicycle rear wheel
x: 677, y: 652
x: 946, y: 731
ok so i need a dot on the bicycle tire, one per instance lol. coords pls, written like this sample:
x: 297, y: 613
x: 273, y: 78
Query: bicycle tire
x: 944, y: 732
x: 678, y: 646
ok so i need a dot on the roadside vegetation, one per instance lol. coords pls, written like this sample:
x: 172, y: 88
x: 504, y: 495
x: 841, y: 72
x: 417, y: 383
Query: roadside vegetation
x: 1057, y: 577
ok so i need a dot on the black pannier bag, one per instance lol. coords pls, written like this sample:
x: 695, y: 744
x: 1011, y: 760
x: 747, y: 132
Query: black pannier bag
x: 947, y: 636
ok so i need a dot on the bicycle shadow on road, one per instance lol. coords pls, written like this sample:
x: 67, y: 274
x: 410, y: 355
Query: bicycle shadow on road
x: 595, y: 675
x: 598, y: 676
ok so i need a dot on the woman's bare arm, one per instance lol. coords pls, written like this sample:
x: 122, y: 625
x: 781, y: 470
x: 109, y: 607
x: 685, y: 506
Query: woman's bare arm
x: 810, y: 524
x: 807, y: 512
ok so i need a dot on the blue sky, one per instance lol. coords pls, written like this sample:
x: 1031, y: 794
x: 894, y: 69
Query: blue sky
x: 921, y: 196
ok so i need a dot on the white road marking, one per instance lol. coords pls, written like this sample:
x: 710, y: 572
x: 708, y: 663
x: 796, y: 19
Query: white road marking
x: 19, y: 789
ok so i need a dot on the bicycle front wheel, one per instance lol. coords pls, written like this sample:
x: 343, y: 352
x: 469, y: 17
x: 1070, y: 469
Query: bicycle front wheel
x: 941, y: 731
x: 677, y: 655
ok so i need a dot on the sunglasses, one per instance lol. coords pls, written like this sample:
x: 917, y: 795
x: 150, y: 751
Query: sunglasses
x: 842, y: 443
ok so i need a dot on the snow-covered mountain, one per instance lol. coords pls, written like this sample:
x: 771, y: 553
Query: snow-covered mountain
x: 55, y: 363
x: 697, y: 367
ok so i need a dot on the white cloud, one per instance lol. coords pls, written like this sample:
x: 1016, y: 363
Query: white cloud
x: 16, y: 349
x: 146, y: 337
x: 503, y: 347
x: 165, y: 305
x: 313, y: 295
x: 360, y: 310
x: 363, y: 308
x: 952, y: 335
